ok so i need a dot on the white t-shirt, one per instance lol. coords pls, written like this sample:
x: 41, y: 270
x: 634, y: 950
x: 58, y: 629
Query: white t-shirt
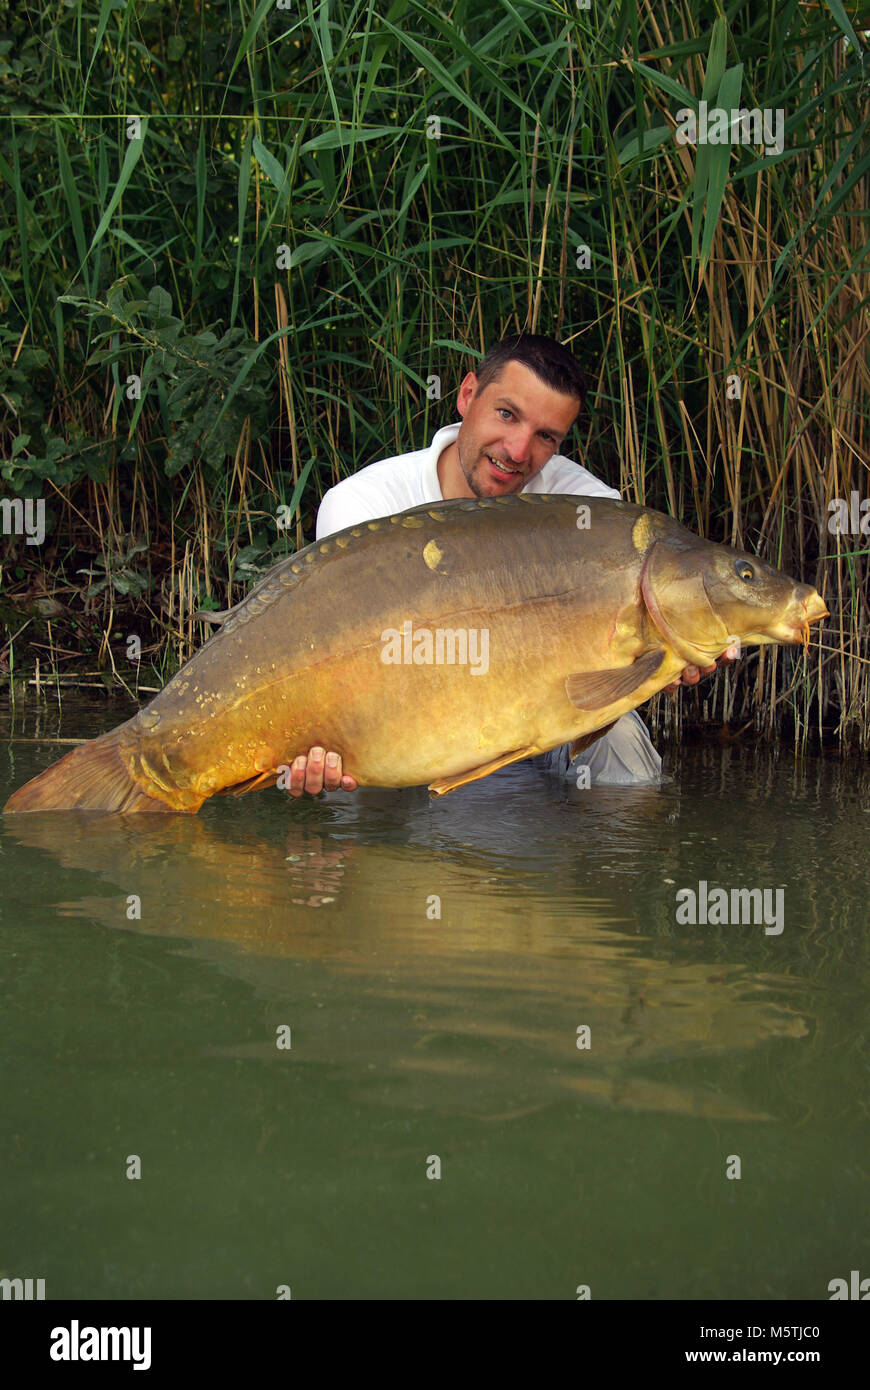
x: 411, y: 480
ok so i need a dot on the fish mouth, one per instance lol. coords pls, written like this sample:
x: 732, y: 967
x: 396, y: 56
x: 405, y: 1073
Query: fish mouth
x: 795, y: 629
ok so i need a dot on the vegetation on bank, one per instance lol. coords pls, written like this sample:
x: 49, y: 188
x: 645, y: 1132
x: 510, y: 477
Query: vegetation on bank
x: 240, y: 241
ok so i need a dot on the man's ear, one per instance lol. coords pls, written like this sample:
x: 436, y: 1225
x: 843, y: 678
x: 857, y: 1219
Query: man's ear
x: 467, y: 388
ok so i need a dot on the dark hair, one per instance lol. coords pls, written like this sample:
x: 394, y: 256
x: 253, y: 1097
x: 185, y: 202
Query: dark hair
x: 554, y: 364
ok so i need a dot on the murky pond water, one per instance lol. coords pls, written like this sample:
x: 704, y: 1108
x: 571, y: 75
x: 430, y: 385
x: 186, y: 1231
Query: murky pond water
x: 417, y: 1038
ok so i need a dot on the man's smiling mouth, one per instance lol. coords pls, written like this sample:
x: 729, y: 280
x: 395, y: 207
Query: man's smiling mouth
x: 502, y: 467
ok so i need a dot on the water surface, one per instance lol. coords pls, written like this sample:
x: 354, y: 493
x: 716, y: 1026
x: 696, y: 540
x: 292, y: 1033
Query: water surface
x: 417, y: 1036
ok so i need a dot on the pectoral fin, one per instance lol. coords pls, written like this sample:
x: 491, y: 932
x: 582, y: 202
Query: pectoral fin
x: 591, y: 690
x: 449, y: 784
x: 260, y: 779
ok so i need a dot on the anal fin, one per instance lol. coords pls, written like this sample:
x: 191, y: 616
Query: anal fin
x: 449, y: 784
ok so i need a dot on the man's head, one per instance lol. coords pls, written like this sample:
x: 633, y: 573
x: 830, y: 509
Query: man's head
x: 516, y: 411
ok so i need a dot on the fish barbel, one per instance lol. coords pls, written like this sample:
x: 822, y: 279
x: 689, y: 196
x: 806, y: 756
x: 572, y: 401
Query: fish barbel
x: 433, y: 647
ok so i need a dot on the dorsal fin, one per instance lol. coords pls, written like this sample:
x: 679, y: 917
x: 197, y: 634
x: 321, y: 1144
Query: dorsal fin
x: 206, y: 615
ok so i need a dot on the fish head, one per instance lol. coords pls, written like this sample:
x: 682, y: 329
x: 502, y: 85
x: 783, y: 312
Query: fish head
x: 706, y: 598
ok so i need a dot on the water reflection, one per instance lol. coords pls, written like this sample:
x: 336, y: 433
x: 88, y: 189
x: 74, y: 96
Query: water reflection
x: 334, y: 905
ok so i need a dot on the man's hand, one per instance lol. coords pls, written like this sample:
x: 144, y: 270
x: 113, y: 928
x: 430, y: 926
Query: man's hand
x: 692, y: 674
x: 317, y: 772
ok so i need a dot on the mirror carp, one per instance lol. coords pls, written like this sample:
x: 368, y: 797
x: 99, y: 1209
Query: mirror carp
x: 433, y: 647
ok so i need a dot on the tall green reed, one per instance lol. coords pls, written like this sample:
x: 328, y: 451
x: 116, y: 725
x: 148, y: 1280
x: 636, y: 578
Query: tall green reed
x: 331, y: 205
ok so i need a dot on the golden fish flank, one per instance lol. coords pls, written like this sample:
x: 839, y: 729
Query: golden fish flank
x: 583, y: 624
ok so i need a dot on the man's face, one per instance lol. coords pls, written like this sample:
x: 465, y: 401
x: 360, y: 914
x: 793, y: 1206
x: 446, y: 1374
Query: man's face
x: 517, y: 422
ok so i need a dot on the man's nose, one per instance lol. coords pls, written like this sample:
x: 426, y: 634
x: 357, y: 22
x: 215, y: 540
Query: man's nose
x: 519, y: 445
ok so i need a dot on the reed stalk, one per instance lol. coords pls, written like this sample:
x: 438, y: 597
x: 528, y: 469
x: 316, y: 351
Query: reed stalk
x: 228, y: 314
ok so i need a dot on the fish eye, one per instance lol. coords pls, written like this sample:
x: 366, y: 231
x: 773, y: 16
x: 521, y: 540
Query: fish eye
x: 744, y: 570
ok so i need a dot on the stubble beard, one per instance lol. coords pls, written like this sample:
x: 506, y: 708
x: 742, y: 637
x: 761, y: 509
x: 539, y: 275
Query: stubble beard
x: 473, y: 481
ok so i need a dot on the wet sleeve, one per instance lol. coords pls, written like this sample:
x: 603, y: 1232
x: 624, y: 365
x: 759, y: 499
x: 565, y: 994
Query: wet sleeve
x: 623, y: 757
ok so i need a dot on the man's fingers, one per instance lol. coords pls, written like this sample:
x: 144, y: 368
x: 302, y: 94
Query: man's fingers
x: 332, y: 776
x: 317, y: 771
x: 690, y: 675
x: 297, y: 775
x: 334, y: 779
x: 314, y: 771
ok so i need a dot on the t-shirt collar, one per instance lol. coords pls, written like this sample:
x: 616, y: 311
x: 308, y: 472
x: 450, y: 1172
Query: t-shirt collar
x: 440, y: 440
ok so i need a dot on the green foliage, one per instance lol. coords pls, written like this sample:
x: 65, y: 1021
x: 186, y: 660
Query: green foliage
x: 205, y: 387
x: 117, y: 571
x: 283, y: 257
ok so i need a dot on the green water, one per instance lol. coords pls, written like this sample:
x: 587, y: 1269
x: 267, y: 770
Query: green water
x: 414, y: 1036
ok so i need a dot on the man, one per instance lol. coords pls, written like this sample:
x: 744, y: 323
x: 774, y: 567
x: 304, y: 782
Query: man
x: 516, y: 410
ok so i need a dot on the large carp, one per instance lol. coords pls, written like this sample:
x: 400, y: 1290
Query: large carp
x: 434, y: 647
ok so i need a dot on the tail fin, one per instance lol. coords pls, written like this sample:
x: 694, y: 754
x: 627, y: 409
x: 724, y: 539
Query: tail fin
x: 90, y: 778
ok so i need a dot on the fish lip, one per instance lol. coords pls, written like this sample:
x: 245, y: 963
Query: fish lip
x: 814, y: 611
x: 794, y: 629
x: 798, y: 633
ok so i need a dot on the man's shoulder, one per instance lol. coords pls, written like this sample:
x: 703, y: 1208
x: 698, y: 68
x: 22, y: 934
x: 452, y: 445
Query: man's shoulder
x: 379, y: 489
x: 383, y: 473
x: 562, y: 474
